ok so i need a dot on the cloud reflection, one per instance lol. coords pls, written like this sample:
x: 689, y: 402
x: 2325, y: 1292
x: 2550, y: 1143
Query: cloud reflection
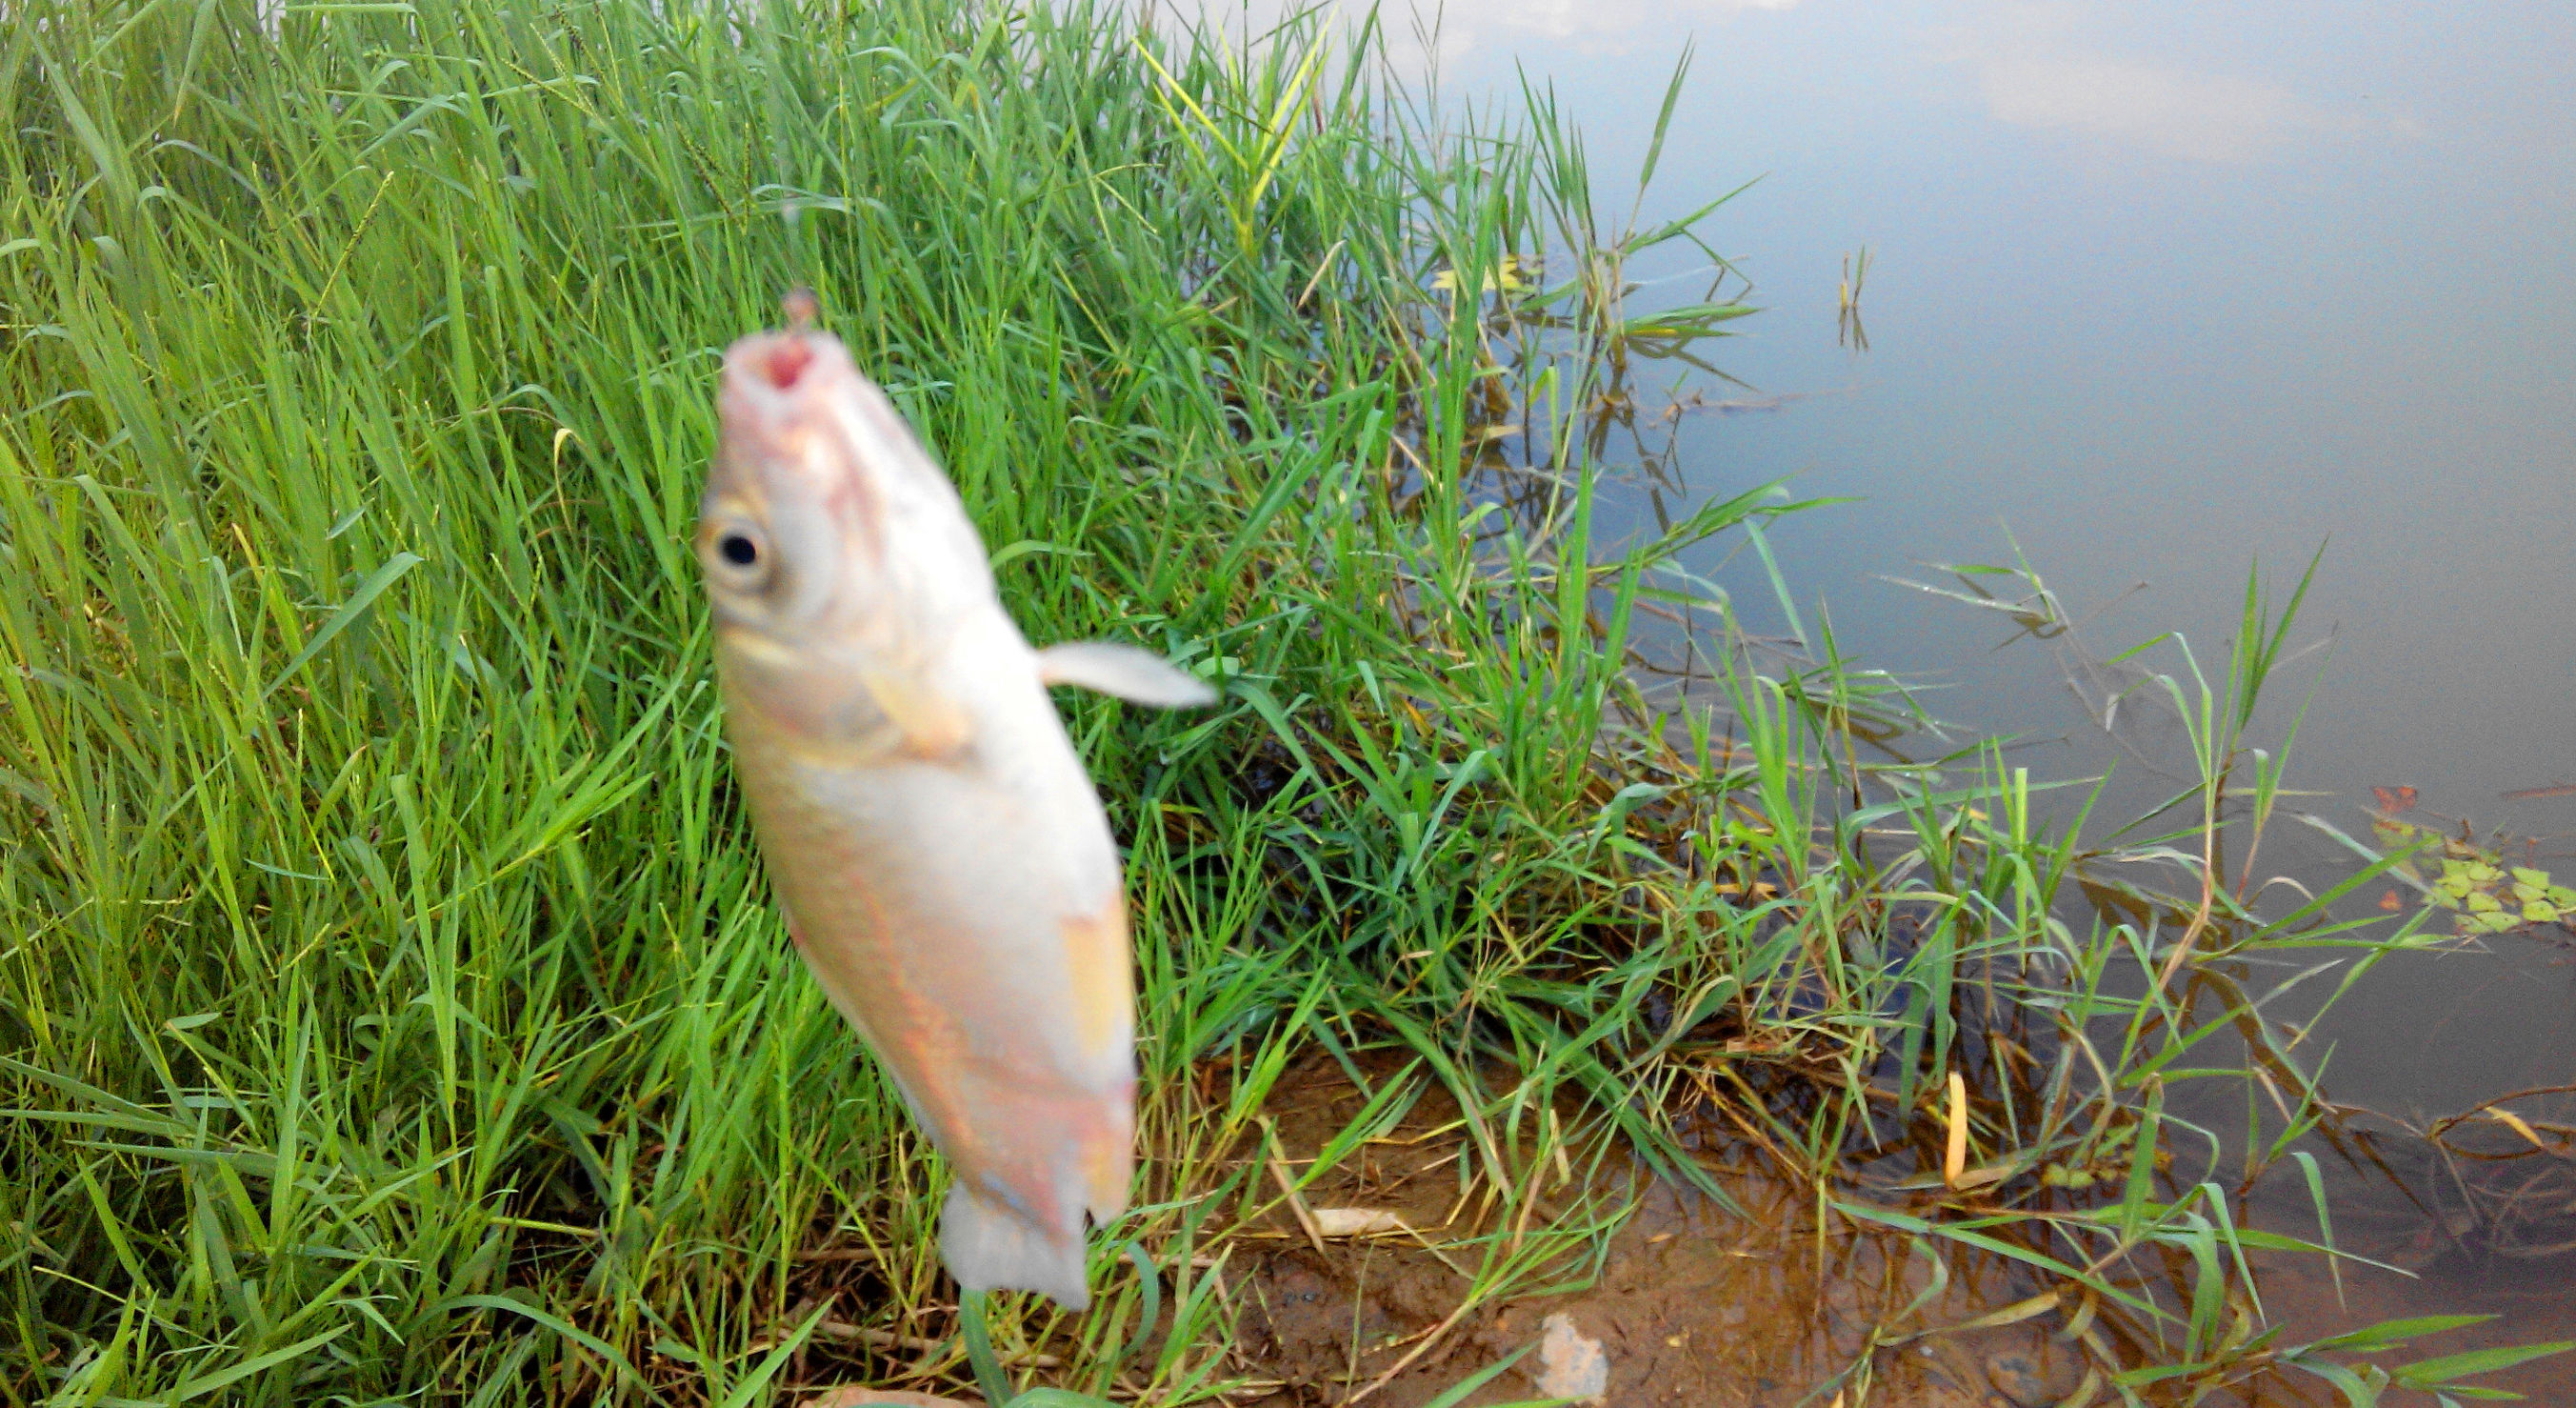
x: 2199, y: 116
x: 2054, y: 65
x: 1473, y: 26
x: 2051, y: 65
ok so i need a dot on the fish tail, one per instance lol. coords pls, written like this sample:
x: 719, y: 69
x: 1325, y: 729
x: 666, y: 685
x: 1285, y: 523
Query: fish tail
x: 988, y: 1247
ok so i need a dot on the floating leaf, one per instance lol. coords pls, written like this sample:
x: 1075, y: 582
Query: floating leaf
x: 2398, y: 839
x: 1506, y: 276
x: 2490, y: 895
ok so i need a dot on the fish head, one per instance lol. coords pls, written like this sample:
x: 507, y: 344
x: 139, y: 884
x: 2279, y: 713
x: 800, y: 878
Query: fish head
x: 825, y: 524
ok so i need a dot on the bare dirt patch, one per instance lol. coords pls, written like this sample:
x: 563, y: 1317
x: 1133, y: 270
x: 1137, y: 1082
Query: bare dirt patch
x: 1690, y: 1302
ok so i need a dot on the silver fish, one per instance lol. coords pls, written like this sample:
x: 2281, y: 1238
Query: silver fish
x: 933, y: 841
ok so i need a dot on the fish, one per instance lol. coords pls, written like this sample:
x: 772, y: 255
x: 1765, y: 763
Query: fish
x: 932, y: 840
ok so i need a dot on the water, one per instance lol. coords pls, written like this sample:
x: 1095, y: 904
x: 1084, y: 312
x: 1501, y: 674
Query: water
x: 2164, y: 292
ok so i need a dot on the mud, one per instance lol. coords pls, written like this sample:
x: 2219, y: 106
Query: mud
x: 1366, y: 1291
x: 1691, y: 1303
x: 1784, y: 1304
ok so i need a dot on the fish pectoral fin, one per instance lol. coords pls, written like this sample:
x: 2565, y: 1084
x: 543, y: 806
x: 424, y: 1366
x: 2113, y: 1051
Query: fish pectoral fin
x: 933, y: 726
x: 1123, y: 671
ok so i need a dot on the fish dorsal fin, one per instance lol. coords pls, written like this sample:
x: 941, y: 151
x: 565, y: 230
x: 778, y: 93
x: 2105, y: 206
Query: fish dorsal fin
x: 1123, y: 671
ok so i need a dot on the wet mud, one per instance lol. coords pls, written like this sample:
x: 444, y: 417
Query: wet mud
x: 1754, y: 1313
x: 1778, y: 1303
x: 1690, y: 1303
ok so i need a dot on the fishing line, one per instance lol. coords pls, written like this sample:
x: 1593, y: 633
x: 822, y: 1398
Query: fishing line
x: 800, y: 255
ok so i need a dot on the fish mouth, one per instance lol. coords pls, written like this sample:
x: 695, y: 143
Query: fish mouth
x: 783, y: 413
x: 782, y: 358
x: 778, y: 379
x: 777, y: 359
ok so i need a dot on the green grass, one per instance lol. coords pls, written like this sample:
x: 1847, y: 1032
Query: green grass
x: 390, y: 1008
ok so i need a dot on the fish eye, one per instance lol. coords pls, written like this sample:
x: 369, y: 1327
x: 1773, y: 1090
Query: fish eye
x: 737, y: 555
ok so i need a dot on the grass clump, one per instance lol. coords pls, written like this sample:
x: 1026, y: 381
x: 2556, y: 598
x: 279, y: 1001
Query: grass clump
x: 390, y: 1008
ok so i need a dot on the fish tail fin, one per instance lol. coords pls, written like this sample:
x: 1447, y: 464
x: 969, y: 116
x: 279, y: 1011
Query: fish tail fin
x: 988, y: 1247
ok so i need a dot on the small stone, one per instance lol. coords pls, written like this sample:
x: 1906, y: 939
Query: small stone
x: 1574, y: 1366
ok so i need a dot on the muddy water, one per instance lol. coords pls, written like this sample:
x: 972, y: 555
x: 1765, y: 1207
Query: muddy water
x: 2470, y: 1237
x: 2157, y: 293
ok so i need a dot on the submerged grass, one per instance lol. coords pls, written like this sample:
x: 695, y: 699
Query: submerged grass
x: 390, y: 1008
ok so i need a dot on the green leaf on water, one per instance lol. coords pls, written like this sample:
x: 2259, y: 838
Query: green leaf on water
x: 2498, y: 921
x: 2525, y: 875
x: 2537, y: 912
x: 2480, y: 902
